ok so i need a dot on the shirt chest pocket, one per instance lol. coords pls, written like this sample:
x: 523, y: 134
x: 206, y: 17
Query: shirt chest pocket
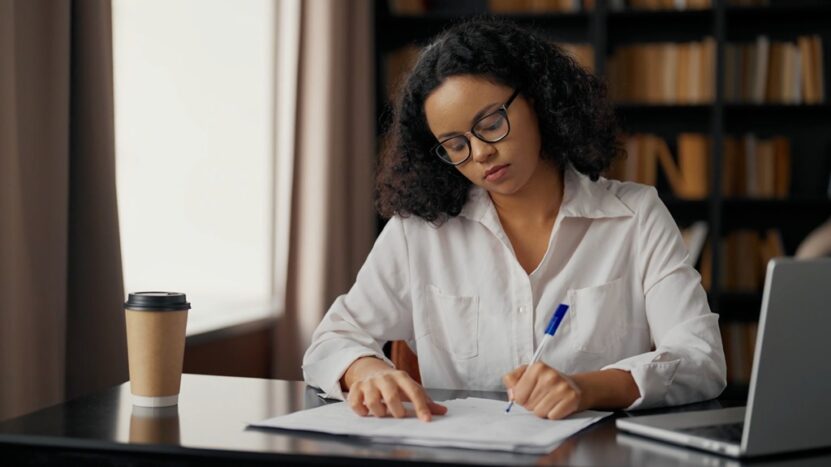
x: 599, y: 316
x: 453, y: 322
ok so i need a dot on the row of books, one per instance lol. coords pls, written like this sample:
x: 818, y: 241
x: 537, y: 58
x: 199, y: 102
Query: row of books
x: 653, y: 73
x: 570, y: 6
x: 539, y: 6
x: 421, y: 7
x: 414, y: 7
x: 400, y: 61
x: 751, y: 166
x: 743, y: 257
x: 777, y: 72
x: 678, y: 4
x: 683, y: 73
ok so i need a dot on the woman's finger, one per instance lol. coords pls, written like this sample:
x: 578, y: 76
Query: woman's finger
x: 421, y: 402
x: 392, y: 398
x: 521, y: 392
x: 565, y: 407
x: 355, y: 399
x: 546, y: 403
x: 372, y: 400
x: 510, y: 379
x: 547, y: 381
x: 436, y: 408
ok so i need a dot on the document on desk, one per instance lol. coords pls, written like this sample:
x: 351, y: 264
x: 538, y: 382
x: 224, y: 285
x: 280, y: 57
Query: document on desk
x: 470, y: 423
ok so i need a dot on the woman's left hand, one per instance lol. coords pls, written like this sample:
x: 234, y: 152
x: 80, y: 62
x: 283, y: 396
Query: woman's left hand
x: 544, y: 391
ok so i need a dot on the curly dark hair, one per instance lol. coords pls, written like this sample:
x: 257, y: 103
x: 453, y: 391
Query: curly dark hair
x: 576, y: 120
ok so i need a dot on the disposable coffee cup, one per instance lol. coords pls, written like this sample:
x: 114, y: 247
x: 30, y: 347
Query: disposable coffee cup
x: 156, y: 323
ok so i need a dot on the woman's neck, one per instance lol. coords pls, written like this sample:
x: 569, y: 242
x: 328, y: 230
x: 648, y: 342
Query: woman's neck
x: 536, y: 203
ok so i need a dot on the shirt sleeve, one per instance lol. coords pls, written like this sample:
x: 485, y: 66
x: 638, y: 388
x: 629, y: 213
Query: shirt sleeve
x: 688, y: 363
x: 376, y: 309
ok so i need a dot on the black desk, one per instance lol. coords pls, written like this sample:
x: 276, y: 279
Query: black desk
x: 209, y: 428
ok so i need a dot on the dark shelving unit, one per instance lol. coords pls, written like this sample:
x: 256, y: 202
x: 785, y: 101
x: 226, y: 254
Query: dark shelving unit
x: 605, y: 30
x: 670, y: 119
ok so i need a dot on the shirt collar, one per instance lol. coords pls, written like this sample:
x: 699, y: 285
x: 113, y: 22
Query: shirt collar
x: 581, y: 198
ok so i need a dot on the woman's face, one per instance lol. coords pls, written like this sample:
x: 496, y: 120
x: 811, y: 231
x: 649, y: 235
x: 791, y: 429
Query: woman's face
x: 503, y: 167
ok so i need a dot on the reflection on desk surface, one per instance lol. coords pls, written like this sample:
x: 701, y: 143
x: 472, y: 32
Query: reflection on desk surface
x: 649, y: 452
x: 213, y: 412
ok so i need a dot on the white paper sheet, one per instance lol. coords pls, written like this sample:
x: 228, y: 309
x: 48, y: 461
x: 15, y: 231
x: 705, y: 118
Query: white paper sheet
x: 470, y: 423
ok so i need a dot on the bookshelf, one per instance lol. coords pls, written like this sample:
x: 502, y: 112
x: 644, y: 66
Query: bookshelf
x: 608, y: 28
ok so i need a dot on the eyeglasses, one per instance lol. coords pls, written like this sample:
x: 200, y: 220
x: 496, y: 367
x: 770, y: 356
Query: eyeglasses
x: 491, y: 128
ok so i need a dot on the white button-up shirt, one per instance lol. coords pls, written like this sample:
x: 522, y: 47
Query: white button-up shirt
x: 457, y: 294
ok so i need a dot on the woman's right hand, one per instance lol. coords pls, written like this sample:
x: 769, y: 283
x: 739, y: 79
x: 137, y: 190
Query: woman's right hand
x: 377, y: 389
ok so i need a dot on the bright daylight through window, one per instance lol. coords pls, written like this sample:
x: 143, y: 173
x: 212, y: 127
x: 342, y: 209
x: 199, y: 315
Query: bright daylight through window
x: 194, y: 92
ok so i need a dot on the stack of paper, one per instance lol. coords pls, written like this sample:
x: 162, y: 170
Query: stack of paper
x: 470, y: 423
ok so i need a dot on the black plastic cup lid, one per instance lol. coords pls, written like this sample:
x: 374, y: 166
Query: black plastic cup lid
x: 157, y: 301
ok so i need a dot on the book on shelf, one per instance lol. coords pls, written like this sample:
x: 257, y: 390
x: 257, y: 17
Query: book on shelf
x: 663, y: 73
x: 687, y: 174
x: 762, y: 71
x: 407, y: 7
x: 751, y: 167
x: 743, y: 258
x: 756, y: 167
x: 583, y: 54
x: 645, y: 153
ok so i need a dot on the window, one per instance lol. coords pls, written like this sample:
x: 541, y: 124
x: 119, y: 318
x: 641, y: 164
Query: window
x: 194, y: 116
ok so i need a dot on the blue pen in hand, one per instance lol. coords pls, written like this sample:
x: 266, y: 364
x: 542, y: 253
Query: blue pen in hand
x: 549, y: 332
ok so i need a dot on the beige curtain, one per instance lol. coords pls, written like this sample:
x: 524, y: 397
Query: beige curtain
x: 332, y: 218
x: 61, y: 329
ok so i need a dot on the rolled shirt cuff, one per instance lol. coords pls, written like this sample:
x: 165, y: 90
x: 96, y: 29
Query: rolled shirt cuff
x: 653, y: 373
x: 327, y: 373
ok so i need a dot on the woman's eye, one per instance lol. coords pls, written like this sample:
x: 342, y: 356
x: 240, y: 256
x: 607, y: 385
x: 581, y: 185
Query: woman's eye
x: 491, y: 123
x: 455, y: 145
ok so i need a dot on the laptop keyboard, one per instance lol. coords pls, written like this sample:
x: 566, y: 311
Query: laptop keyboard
x: 729, y: 432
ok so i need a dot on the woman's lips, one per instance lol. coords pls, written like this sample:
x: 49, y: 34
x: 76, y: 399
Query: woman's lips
x: 496, y: 173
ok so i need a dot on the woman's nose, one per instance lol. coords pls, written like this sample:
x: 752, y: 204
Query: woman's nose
x: 480, y: 151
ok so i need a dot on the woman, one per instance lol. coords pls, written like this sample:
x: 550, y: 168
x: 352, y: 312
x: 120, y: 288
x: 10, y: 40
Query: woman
x: 498, y: 214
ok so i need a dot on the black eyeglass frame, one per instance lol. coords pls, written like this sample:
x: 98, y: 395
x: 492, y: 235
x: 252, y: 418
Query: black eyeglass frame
x: 503, y: 109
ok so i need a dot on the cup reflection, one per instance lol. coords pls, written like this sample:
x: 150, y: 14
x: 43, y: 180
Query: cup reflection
x: 154, y: 425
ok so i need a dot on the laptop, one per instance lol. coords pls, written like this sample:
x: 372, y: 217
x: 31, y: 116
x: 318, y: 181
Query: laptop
x: 789, y: 399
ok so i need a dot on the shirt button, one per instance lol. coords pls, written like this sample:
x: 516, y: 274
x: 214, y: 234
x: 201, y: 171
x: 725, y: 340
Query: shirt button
x: 522, y: 309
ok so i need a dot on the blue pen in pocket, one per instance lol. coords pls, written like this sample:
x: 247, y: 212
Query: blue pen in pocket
x: 556, y: 319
